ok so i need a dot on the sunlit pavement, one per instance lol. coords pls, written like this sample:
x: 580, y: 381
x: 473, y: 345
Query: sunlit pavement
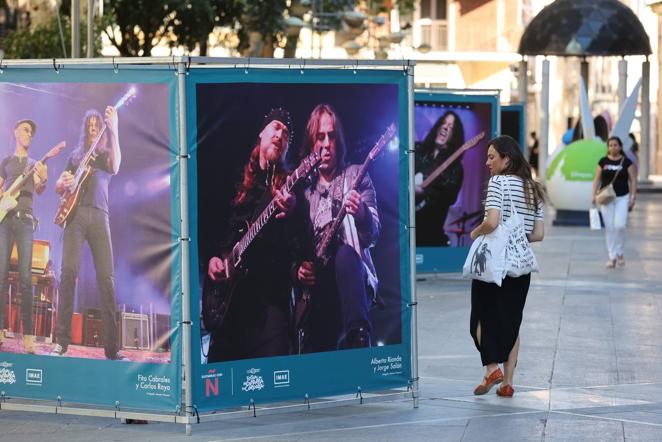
x: 590, y: 365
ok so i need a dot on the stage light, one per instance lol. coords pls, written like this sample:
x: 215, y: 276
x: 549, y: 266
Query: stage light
x: 380, y: 344
x: 394, y: 144
x: 158, y: 184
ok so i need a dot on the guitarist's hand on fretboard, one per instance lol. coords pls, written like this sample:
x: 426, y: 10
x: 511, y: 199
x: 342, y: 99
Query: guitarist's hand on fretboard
x: 217, y: 269
x: 111, y: 119
x: 285, y: 201
x: 306, y: 273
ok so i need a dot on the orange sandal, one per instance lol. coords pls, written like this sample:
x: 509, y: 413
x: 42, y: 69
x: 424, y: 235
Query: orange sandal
x: 496, y: 377
x: 505, y: 391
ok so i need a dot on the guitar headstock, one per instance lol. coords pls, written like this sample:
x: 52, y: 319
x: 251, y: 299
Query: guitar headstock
x: 126, y: 98
x: 55, y: 150
x: 385, y: 138
x: 476, y: 138
x: 310, y: 162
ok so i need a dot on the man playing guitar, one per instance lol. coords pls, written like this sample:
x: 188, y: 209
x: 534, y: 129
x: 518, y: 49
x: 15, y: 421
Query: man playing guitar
x: 258, y: 318
x: 433, y: 202
x: 343, y: 291
x: 89, y: 222
x: 18, y: 226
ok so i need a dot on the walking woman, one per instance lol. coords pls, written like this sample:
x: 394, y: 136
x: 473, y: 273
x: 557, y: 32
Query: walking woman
x: 617, y: 169
x: 496, y: 312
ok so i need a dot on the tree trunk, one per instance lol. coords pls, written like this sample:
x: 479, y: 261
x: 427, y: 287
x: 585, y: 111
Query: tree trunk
x: 291, y: 45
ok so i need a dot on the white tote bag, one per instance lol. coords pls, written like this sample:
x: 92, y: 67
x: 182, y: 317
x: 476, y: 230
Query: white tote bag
x: 520, y: 259
x: 486, y: 260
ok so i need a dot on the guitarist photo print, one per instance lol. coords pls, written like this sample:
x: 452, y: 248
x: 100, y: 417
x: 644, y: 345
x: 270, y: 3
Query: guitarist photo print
x: 439, y: 177
x: 246, y: 298
x: 21, y: 178
x: 87, y: 176
x: 290, y: 241
x: 339, y: 284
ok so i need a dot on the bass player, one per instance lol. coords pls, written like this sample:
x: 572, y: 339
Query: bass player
x: 19, y: 224
x: 89, y: 222
x: 257, y: 323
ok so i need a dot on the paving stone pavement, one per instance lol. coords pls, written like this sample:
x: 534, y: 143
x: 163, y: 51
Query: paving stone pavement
x: 590, y: 365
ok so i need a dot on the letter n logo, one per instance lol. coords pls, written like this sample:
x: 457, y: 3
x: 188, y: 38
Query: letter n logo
x: 211, y: 387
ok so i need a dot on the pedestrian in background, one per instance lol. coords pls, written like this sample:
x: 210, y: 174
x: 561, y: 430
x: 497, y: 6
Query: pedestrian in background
x: 616, y: 169
x: 496, y: 312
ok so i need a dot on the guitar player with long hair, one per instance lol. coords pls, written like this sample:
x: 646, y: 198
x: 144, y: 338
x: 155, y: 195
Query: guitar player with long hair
x: 257, y: 320
x: 340, y: 292
x: 89, y: 222
x: 443, y: 140
x: 19, y: 224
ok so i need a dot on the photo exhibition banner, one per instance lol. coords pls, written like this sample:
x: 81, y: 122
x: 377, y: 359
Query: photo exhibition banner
x: 300, y: 251
x: 89, y: 237
x: 451, y: 132
x: 512, y: 123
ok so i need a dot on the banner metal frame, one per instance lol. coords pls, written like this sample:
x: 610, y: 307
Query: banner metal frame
x: 181, y: 66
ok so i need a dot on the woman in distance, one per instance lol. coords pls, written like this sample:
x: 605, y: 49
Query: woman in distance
x: 615, y: 168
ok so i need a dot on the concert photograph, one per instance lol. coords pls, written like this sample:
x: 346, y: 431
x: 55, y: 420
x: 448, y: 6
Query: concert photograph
x: 450, y: 176
x: 86, y: 243
x: 298, y: 229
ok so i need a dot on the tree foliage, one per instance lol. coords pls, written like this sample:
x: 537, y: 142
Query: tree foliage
x: 45, y: 41
x: 135, y: 27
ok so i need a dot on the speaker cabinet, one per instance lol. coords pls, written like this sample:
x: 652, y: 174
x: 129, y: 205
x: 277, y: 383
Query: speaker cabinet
x: 162, y: 337
x: 135, y: 331
x: 92, y: 328
x: 77, y: 328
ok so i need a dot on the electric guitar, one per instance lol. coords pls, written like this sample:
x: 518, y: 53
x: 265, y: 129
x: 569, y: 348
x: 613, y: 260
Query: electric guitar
x: 217, y: 295
x: 322, y: 256
x: 9, y: 198
x: 443, y: 166
x: 70, y: 197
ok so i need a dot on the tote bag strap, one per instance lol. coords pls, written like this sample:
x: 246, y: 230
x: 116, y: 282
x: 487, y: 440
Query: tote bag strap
x: 513, y: 210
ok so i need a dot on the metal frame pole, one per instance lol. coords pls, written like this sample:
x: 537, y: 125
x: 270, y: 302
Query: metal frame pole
x: 75, y: 28
x: 544, y: 123
x: 622, y: 82
x: 90, y: 28
x: 412, y: 238
x: 644, y: 163
x: 523, y: 92
x: 184, y: 243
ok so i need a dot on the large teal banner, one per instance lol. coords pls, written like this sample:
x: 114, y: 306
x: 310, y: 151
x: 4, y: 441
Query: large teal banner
x: 300, y: 247
x: 451, y: 134
x: 91, y: 209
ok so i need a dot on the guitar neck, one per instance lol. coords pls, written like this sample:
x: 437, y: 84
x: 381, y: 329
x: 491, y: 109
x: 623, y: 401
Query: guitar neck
x: 335, y: 226
x: 95, y: 144
x: 268, y: 211
x: 454, y: 156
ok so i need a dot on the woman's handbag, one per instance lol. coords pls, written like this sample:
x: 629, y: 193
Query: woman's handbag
x: 607, y: 194
x: 505, y: 251
x: 486, y: 260
x: 520, y: 259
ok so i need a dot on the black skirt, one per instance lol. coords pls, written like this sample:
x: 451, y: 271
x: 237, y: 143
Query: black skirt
x: 498, y: 310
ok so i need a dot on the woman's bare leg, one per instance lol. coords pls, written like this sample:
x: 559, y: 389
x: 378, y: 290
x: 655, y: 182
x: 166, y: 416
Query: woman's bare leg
x: 510, y: 364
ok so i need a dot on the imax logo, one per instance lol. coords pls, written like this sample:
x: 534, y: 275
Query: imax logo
x: 33, y: 376
x: 282, y: 378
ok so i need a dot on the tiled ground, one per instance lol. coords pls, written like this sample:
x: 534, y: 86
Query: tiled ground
x: 590, y: 365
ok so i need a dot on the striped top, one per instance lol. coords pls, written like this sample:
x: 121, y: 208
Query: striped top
x: 498, y: 198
